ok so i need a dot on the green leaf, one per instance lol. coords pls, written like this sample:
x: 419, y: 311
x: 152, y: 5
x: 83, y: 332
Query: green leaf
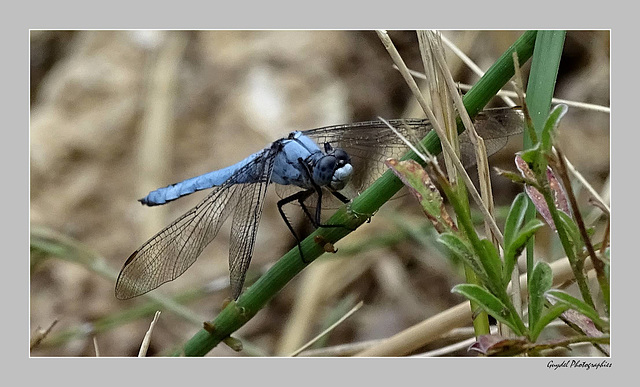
x: 488, y: 302
x: 577, y: 305
x: 551, y: 314
x: 529, y: 156
x: 515, y: 217
x: 492, y: 264
x: 572, y: 229
x: 463, y: 251
x: 540, y: 281
x: 513, y: 250
x: 514, y: 177
x: 550, y: 126
x: 542, y: 77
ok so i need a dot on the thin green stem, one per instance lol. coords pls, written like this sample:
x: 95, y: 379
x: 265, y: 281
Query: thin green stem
x: 495, y: 284
x: 597, y: 262
x: 577, y: 265
x: 540, y: 89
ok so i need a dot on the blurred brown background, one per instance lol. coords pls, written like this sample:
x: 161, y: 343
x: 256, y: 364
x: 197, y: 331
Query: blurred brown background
x: 115, y: 114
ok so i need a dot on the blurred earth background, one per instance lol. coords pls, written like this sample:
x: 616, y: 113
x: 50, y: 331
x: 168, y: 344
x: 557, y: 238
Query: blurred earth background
x: 116, y: 114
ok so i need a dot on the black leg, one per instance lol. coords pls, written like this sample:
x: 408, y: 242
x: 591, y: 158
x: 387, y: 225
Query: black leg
x: 319, y: 207
x: 316, y: 220
x: 341, y: 197
x: 308, y: 213
x: 300, y: 196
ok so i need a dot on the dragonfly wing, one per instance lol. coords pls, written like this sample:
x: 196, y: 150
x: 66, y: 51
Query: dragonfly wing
x: 246, y: 217
x: 495, y: 126
x: 370, y: 143
x: 170, y: 252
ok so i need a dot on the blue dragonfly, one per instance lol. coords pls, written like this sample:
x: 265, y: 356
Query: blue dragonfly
x: 316, y: 163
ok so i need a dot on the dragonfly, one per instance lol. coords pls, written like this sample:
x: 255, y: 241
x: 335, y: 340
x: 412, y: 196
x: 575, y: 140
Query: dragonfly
x: 308, y: 167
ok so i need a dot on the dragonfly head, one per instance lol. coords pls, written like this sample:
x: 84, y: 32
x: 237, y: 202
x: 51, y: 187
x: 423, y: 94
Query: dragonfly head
x: 334, y: 169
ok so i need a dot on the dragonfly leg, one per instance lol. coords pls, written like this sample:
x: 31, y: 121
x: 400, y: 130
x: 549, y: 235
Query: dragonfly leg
x: 317, y: 221
x: 300, y: 196
x: 340, y: 197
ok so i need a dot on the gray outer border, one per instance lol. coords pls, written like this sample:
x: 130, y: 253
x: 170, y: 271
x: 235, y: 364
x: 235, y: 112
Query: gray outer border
x: 321, y: 15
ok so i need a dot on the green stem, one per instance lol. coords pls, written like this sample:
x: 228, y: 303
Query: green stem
x: 481, y: 324
x: 540, y: 88
x: 598, y: 265
x: 577, y: 265
x: 466, y: 225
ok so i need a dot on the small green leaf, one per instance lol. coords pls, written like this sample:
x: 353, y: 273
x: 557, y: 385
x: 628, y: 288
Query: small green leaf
x: 514, y: 177
x: 551, y: 314
x: 540, y: 281
x: 491, y: 263
x: 513, y: 250
x: 572, y: 229
x: 529, y: 156
x: 515, y: 217
x: 577, y: 305
x: 488, y: 302
x: 460, y: 249
x: 550, y: 125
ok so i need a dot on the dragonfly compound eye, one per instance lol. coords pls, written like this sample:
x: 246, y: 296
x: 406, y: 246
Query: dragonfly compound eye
x: 342, y: 156
x: 327, y: 164
x: 324, y: 168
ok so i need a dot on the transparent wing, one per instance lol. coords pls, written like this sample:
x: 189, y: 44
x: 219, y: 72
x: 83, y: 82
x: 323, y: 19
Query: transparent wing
x: 246, y: 218
x: 370, y: 143
x: 495, y: 126
x: 170, y: 252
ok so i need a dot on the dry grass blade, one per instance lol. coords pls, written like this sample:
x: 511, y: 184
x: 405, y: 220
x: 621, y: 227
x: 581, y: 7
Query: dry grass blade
x: 477, y: 141
x: 332, y: 327
x: 446, y: 146
x: 423, y: 157
x: 441, y: 103
x: 147, y: 337
x: 95, y: 346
